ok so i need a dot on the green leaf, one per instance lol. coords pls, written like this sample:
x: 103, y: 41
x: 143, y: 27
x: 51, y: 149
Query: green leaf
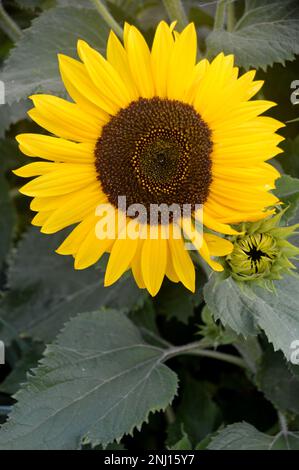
x: 229, y: 305
x: 290, y: 159
x: 277, y: 381
x: 33, y: 4
x: 287, y: 190
x: 214, y: 332
x: 97, y: 382
x: 197, y: 413
x: 45, y: 290
x: 243, y: 436
x: 7, y: 220
x: 267, y: 33
x: 33, y: 67
x: 245, y: 306
x: 183, y: 444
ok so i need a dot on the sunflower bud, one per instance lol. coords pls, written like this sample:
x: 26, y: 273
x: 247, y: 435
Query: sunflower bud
x: 262, y: 253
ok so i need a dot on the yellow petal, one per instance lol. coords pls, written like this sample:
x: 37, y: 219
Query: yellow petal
x: 35, y: 169
x: 206, y: 255
x: 122, y: 253
x: 140, y: 62
x: 55, y: 149
x: 40, y: 218
x: 74, y: 240
x: 154, y: 261
x: 118, y: 58
x: 65, y: 119
x: 73, y: 211
x: 213, y: 224
x: 69, y: 178
x: 52, y: 203
x: 81, y: 88
x: 182, y: 63
x: 92, y: 248
x: 181, y: 260
x: 170, y: 271
x: 105, y: 77
x: 161, y: 52
x: 218, y: 246
x: 136, y: 266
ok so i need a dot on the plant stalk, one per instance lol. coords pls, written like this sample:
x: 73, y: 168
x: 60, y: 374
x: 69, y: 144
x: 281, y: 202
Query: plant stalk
x: 220, y: 15
x: 198, y: 348
x: 107, y: 17
x: 176, y: 12
x: 231, y: 19
x: 8, y: 25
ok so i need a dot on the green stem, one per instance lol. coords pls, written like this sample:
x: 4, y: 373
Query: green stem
x: 220, y: 14
x: 231, y: 19
x: 197, y: 349
x: 8, y: 25
x: 176, y: 12
x: 107, y: 17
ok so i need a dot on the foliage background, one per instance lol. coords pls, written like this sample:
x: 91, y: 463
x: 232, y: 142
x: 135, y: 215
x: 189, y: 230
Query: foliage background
x: 103, y: 374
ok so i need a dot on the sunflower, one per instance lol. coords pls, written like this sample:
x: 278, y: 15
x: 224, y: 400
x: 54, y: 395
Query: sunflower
x: 158, y: 127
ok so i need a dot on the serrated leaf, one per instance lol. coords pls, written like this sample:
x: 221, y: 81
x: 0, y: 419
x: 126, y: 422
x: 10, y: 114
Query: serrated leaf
x: 33, y: 67
x: 98, y: 381
x: 243, y: 436
x: 244, y: 307
x: 267, y: 33
x: 277, y: 382
x: 45, y: 290
x: 227, y: 304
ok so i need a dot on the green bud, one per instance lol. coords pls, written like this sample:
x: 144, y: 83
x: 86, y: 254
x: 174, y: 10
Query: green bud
x: 262, y: 252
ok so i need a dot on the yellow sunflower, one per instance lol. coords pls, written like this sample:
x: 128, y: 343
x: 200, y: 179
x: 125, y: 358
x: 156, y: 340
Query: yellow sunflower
x: 156, y: 127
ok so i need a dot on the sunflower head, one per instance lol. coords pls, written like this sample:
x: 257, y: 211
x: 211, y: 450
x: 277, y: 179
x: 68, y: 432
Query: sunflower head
x: 262, y: 253
x: 156, y: 127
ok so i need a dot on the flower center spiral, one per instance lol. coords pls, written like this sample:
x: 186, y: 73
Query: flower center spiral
x: 155, y: 151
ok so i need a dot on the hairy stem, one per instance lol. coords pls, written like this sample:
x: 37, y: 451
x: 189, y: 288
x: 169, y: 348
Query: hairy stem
x: 198, y: 348
x: 231, y: 19
x: 176, y: 12
x: 107, y: 17
x: 220, y: 14
x: 8, y: 25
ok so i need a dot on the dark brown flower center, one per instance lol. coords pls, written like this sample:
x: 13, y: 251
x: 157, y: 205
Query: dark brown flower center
x: 155, y: 151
